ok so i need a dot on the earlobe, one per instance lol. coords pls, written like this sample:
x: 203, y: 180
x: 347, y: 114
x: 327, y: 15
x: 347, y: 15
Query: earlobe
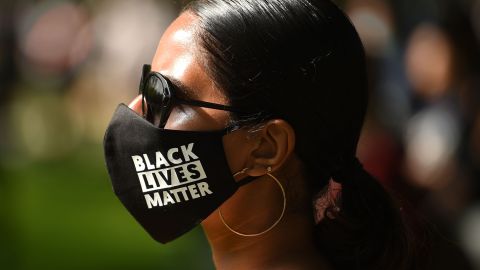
x: 275, y: 142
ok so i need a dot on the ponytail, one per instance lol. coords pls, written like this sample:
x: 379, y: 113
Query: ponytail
x: 368, y: 231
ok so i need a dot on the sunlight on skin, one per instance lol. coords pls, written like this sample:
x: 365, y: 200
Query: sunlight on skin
x: 183, y: 36
x: 181, y: 65
x: 136, y: 104
x: 176, y: 57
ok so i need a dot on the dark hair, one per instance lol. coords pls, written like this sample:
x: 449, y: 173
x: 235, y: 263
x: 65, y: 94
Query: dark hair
x: 302, y: 61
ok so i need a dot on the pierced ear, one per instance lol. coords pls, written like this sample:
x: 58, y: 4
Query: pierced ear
x: 274, y: 143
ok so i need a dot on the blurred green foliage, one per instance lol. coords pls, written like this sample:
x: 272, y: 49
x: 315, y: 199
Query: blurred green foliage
x: 63, y: 214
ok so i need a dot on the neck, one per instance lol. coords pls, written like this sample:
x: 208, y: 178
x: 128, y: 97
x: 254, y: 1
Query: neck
x: 288, y: 245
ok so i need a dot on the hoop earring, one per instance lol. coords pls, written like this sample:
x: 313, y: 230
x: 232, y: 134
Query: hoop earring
x: 269, y: 169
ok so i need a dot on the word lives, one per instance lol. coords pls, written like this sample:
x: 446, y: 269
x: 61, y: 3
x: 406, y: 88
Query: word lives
x: 171, y: 177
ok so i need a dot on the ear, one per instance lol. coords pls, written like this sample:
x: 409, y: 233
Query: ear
x: 273, y: 145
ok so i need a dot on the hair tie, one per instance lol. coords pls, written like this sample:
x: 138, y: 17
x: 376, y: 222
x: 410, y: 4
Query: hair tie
x: 346, y: 171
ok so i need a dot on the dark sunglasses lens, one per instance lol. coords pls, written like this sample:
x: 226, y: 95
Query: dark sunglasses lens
x: 156, y: 95
x: 155, y: 90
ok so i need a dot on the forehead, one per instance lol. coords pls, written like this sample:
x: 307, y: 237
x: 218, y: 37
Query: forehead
x: 178, y: 57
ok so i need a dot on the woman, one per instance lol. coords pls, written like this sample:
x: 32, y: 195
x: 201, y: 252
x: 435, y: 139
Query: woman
x: 252, y: 113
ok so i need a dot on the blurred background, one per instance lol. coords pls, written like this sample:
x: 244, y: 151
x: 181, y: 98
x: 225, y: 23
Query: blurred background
x: 65, y: 65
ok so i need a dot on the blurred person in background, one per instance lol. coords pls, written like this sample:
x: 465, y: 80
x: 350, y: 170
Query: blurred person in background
x: 424, y: 110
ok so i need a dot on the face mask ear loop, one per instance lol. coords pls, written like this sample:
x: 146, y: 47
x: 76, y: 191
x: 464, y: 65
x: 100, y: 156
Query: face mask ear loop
x: 245, y: 180
x: 249, y: 179
x: 240, y: 172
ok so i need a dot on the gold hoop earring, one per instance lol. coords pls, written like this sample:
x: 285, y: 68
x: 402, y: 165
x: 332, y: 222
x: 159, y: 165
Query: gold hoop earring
x: 273, y: 225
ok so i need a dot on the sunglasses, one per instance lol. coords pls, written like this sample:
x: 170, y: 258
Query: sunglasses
x: 161, y: 95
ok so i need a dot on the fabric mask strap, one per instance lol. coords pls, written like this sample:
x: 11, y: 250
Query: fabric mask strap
x: 246, y: 180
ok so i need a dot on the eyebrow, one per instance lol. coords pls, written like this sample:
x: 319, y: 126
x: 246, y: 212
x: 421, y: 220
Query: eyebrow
x: 186, y: 91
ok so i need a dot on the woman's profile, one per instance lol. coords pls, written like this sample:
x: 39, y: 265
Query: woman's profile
x: 247, y: 122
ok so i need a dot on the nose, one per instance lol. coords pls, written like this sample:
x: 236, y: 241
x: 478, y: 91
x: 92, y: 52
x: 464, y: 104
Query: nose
x: 136, y: 105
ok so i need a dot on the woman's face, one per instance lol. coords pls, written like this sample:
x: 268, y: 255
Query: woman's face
x: 178, y: 58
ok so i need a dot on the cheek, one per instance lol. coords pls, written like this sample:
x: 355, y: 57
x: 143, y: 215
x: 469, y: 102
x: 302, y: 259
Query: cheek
x: 196, y: 119
x: 182, y: 119
x: 237, y: 149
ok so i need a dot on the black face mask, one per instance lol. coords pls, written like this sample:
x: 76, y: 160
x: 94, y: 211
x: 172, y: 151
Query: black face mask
x: 169, y: 180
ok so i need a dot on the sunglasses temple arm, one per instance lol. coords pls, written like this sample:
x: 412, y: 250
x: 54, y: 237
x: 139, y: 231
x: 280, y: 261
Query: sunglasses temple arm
x: 210, y: 105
